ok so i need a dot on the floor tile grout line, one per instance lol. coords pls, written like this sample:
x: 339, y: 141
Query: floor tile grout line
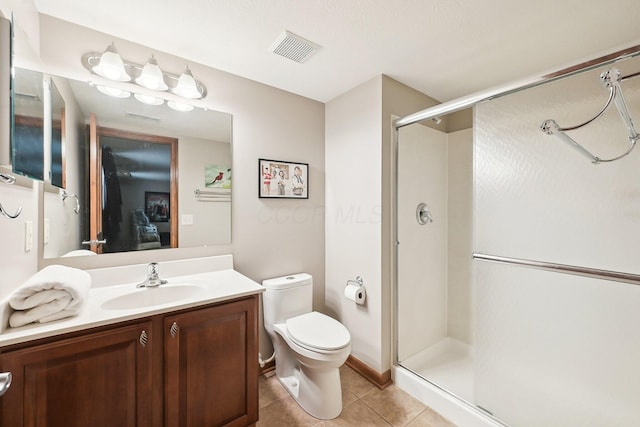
x: 424, y: 408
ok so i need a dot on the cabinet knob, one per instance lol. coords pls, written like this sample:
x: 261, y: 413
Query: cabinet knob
x: 144, y: 338
x: 174, y: 330
x: 5, y: 382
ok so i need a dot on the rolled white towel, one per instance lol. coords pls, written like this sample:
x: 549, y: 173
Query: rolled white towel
x: 53, y: 293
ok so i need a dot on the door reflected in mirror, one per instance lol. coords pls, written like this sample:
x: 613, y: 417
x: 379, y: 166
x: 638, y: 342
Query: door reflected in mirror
x: 133, y: 166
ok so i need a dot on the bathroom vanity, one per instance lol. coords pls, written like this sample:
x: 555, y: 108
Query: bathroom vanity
x: 187, y: 362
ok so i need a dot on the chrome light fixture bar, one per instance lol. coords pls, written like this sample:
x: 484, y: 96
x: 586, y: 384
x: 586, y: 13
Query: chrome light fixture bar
x: 111, y: 66
x: 610, y: 79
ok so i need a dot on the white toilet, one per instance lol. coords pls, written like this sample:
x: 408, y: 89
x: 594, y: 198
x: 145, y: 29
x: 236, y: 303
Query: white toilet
x: 309, y: 346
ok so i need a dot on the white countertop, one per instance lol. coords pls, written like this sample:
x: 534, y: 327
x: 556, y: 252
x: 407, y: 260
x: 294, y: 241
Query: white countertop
x: 208, y: 287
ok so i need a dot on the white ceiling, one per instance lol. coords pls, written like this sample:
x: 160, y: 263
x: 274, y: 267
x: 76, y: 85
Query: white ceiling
x: 444, y: 48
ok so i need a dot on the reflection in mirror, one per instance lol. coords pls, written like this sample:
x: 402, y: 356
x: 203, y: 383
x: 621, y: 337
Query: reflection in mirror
x: 58, y: 174
x: 203, y: 141
x: 137, y: 189
x: 28, y: 131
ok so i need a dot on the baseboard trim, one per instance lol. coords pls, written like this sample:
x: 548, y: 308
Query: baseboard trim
x: 380, y: 380
x: 268, y: 367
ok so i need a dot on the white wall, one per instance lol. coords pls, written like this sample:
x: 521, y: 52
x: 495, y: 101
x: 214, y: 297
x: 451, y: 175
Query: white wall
x: 17, y: 265
x: 353, y: 152
x: 66, y: 227
x: 435, y: 292
x: 359, y: 215
x: 460, y: 292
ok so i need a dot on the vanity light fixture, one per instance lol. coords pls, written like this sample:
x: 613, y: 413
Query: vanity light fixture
x: 111, y: 66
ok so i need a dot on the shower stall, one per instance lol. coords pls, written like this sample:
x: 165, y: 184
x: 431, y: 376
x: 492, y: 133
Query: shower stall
x: 518, y: 252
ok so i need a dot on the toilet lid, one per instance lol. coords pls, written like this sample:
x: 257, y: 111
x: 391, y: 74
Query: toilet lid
x: 318, y: 331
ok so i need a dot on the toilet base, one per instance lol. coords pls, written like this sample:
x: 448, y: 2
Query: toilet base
x: 306, y: 385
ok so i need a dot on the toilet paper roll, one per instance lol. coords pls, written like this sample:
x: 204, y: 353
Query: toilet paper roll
x: 355, y: 293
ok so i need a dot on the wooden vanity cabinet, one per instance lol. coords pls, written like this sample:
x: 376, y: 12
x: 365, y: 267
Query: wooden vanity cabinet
x: 97, y: 379
x: 211, y: 368
x: 200, y: 370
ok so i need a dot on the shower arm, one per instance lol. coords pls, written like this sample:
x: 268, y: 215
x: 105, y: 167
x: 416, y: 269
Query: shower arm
x: 610, y: 79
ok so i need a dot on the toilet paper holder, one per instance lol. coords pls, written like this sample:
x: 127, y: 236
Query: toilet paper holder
x: 358, y: 282
x: 355, y: 291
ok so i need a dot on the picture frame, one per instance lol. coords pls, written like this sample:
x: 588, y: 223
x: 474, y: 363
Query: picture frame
x: 279, y: 179
x: 157, y: 206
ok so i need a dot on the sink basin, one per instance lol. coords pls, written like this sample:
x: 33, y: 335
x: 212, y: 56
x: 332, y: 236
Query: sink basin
x: 147, y: 297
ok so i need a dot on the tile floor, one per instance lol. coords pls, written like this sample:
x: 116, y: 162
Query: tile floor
x: 363, y: 404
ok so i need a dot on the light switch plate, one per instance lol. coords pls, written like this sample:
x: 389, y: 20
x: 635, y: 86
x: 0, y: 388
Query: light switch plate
x: 186, y: 219
x: 28, y: 235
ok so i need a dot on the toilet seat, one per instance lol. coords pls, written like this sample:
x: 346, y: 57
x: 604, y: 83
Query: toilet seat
x: 316, y: 331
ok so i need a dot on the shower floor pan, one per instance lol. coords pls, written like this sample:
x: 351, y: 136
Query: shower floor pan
x: 449, y: 364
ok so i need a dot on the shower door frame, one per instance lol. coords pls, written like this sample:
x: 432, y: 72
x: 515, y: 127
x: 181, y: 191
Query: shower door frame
x: 461, y: 104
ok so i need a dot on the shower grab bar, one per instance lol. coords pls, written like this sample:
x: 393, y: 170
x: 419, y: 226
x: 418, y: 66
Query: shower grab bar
x: 595, y: 273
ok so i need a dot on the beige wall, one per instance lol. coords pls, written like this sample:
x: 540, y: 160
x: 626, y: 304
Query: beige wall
x: 353, y: 151
x: 65, y: 230
x: 359, y: 220
x: 211, y: 218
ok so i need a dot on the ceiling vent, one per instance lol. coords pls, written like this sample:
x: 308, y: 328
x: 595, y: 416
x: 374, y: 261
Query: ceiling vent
x: 294, y: 47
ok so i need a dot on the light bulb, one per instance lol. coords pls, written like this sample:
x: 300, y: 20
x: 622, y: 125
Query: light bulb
x: 148, y: 99
x: 111, y: 66
x: 179, y: 106
x: 151, y: 76
x: 187, y: 86
x: 112, y: 91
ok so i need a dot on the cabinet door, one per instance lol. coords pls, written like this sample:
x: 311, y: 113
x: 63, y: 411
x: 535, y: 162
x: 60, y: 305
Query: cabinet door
x: 98, y: 379
x: 211, y: 367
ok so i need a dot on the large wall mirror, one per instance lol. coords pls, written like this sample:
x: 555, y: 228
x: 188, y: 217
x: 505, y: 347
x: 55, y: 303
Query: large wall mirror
x: 139, y: 176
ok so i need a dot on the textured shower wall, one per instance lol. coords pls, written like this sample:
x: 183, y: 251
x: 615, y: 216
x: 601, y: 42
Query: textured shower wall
x: 460, y: 292
x: 422, y: 252
x: 554, y: 349
x: 434, y: 261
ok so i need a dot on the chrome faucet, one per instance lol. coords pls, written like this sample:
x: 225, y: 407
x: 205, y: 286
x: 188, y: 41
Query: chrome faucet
x: 153, y: 278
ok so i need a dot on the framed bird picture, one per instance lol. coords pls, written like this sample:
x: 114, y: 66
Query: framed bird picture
x: 217, y: 176
x: 284, y: 180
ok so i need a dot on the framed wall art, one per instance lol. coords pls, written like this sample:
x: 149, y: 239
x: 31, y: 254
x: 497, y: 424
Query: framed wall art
x: 282, y: 179
x: 157, y: 206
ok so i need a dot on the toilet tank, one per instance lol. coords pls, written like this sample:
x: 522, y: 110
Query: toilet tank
x: 286, y: 297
